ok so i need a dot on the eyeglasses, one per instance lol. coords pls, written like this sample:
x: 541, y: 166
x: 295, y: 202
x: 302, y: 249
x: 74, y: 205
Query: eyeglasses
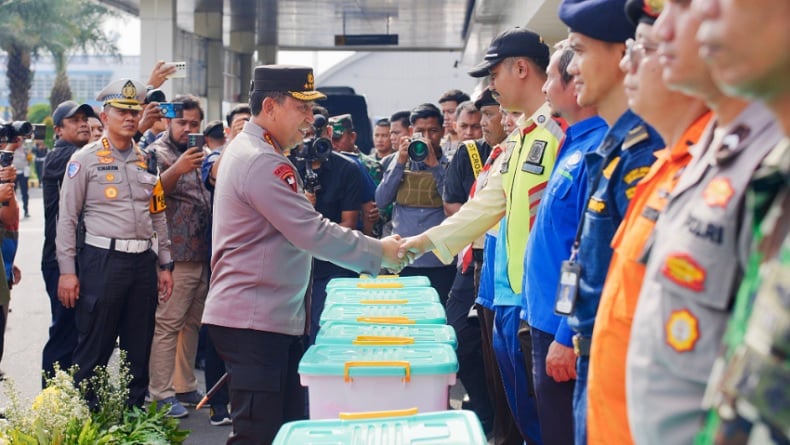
x: 635, y: 52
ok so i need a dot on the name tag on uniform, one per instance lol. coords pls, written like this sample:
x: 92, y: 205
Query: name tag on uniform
x: 535, y: 158
x: 568, y: 289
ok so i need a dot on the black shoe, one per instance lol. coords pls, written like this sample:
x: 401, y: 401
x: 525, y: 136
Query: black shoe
x: 220, y: 416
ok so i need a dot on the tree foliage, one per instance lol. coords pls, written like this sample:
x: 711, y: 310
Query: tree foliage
x: 28, y: 27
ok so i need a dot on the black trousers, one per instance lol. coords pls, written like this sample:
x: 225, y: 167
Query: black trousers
x: 470, y: 351
x: 62, y: 330
x: 264, y: 383
x: 441, y: 278
x: 118, y: 298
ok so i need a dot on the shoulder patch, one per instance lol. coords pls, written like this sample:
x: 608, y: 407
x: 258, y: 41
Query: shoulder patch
x: 73, y: 168
x: 635, y: 136
x: 286, y: 173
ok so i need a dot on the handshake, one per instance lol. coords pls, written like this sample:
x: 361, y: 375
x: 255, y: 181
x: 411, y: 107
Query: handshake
x: 398, y: 252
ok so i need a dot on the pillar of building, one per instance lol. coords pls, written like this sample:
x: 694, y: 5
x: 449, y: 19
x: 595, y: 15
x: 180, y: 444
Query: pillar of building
x: 242, y: 41
x: 157, y: 36
x: 266, y: 42
x: 208, y: 23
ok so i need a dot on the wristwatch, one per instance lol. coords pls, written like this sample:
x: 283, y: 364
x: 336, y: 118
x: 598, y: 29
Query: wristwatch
x: 168, y: 266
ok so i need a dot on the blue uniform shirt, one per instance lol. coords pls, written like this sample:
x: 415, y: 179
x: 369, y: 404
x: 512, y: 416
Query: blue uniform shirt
x: 613, y: 170
x: 555, y: 226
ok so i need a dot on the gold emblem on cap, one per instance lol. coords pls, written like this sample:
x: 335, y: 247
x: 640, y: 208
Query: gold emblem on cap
x: 653, y: 8
x: 129, y: 91
x: 309, y: 84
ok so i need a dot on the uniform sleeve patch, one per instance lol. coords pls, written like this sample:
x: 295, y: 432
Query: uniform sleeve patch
x: 682, y: 330
x: 684, y: 271
x: 286, y: 174
x: 73, y: 169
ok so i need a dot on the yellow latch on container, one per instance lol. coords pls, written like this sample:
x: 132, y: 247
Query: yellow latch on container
x: 393, y: 319
x: 379, y: 285
x: 382, y: 340
x: 375, y: 364
x: 379, y: 414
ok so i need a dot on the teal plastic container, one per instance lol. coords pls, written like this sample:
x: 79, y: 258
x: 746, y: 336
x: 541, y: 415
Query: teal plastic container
x: 378, y: 296
x: 347, y: 378
x: 428, y: 313
x: 439, y: 428
x: 347, y: 333
x: 382, y: 281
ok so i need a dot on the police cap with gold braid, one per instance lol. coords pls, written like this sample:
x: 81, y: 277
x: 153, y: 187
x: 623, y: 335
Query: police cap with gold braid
x: 297, y: 81
x: 643, y: 11
x: 126, y: 94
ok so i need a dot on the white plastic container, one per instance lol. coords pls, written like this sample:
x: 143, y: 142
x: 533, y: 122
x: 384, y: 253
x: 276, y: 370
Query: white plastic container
x: 403, y: 295
x: 440, y: 428
x: 379, y: 282
x: 427, y: 313
x: 348, y: 333
x: 342, y: 378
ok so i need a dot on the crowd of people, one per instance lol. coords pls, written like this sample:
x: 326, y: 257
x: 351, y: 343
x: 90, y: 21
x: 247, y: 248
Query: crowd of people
x: 605, y: 223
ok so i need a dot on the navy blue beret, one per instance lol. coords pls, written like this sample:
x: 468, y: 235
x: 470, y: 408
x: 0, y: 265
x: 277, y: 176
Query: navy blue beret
x: 599, y: 19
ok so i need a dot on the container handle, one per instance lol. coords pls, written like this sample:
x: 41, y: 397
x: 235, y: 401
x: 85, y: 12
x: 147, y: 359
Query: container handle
x: 382, y: 340
x: 394, y: 319
x: 365, y: 276
x: 379, y: 414
x: 374, y: 301
x: 374, y: 364
x: 380, y: 285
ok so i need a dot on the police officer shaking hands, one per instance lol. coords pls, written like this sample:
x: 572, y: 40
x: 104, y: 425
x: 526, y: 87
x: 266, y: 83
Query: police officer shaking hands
x: 265, y: 236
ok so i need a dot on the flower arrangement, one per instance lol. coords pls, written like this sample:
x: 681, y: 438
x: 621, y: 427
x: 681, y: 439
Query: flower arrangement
x: 59, y: 415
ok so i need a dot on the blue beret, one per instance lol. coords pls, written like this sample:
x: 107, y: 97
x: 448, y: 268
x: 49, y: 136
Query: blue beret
x: 599, y: 19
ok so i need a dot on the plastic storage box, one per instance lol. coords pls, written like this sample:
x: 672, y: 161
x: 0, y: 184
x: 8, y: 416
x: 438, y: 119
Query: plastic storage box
x: 379, y: 296
x: 347, y: 333
x: 379, y: 282
x: 428, y: 313
x: 343, y: 378
x: 441, y: 428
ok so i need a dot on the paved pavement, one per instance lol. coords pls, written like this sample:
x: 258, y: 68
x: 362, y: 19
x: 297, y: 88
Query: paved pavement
x: 28, y: 323
x: 29, y: 320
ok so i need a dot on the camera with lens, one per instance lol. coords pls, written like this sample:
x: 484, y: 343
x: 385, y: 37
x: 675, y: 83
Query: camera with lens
x: 6, y: 159
x: 315, y: 148
x: 418, y: 147
x: 11, y: 130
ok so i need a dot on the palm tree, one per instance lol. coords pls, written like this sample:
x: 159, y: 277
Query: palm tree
x: 80, y: 29
x: 58, y: 26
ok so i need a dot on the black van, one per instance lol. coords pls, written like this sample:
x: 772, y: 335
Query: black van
x: 344, y: 100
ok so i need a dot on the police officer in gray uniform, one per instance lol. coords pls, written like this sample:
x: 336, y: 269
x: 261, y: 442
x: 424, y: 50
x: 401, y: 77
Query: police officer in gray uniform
x: 696, y: 260
x: 116, y: 193
x: 265, y: 236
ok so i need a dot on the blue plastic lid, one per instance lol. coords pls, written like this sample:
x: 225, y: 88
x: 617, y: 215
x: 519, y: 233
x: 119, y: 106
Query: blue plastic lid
x: 369, y: 296
x: 439, y: 428
x: 381, y: 280
x: 346, y: 333
x: 419, y: 358
x: 427, y: 313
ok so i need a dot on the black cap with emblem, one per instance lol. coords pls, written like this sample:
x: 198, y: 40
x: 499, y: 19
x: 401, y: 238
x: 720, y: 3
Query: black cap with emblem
x: 513, y: 42
x: 643, y: 11
x: 297, y: 81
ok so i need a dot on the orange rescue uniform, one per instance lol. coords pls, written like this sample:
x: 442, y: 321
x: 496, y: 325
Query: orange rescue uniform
x: 607, y: 421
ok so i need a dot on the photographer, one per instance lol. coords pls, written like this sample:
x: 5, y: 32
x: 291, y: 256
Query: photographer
x: 337, y: 195
x: 73, y: 132
x: 9, y: 225
x: 22, y: 166
x: 188, y: 211
x: 415, y: 186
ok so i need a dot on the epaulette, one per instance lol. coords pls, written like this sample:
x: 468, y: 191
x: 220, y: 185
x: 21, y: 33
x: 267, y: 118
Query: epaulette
x: 635, y: 136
